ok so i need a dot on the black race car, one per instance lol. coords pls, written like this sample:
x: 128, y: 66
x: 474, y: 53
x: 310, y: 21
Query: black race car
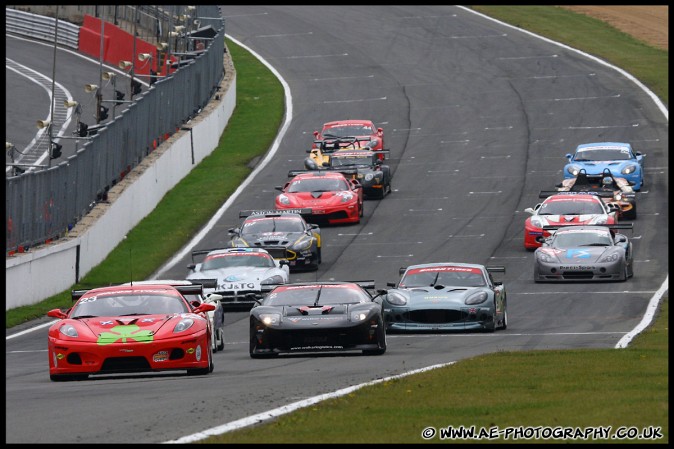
x: 363, y: 165
x: 613, y: 190
x: 283, y: 233
x: 318, y: 317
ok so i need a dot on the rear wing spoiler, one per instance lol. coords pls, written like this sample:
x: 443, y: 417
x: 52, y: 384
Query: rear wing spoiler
x: 368, y: 285
x: 197, y: 288
x: 273, y: 212
x: 610, y: 226
x: 495, y: 269
x: 547, y: 193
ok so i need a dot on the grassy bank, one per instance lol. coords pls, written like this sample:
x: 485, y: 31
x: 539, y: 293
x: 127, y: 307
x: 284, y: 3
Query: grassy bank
x: 576, y: 388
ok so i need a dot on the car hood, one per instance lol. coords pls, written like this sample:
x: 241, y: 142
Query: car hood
x: 432, y: 297
x: 594, y: 167
x: 140, y: 328
x: 276, y: 238
x: 580, y: 255
x: 568, y: 219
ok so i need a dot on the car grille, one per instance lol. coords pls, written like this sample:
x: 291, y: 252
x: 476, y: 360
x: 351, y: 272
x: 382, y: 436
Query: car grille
x: 279, y: 252
x: 578, y: 275
x: 125, y: 364
x: 431, y: 316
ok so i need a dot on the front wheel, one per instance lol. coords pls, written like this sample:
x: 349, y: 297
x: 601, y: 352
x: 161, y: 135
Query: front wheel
x: 204, y: 371
x: 381, y: 341
x: 221, y: 340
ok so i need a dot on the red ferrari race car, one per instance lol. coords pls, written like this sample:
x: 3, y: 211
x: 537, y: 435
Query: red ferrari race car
x: 363, y: 130
x: 332, y: 198
x: 566, y: 208
x: 130, y: 329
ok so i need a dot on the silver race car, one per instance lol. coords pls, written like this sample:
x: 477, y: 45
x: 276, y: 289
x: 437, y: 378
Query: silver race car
x: 584, y: 253
x: 446, y: 296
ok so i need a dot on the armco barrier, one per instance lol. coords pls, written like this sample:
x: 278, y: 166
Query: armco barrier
x: 45, y: 271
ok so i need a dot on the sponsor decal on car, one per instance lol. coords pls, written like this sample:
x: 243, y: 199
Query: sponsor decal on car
x: 576, y: 267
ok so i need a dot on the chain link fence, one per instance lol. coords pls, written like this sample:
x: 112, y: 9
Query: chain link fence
x: 44, y: 205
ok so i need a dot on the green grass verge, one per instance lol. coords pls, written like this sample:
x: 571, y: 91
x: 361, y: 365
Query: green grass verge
x: 572, y: 388
x: 648, y: 64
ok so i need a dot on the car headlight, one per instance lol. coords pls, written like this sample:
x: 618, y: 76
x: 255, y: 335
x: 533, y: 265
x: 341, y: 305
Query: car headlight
x: 358, y: 316
x: 599, y: 220
x: 303, y: 242
x: 477, y: 298
x: 396, y: 298
x: 369, y: 176
x: 538, y: 222
x: 276, y: 279
x: 183, y: 325
x: 573, y: 170
x: 609, y: 258
x: 373, y: 143
x: 283, y: 200
x: 270, y: 319
x: 618, y: 196
x: 628, y: 169
x: 347, y: 197
x: 545, y: 257
x: 69, y: 330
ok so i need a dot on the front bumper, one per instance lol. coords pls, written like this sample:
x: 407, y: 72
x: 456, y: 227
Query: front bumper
x: 461, y: 319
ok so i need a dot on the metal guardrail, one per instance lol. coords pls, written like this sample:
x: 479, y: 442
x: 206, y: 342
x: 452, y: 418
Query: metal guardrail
x: 43, y: 205
x: 41, y: 27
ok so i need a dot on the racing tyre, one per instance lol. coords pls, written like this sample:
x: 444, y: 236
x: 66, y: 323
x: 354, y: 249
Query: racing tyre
x: 381, y: 341
x: 204, y: 371
x: 221, y: 341
x: 632, y: 213
x: 504, y: 325
x: 625, y: 275
x: 255, y: 355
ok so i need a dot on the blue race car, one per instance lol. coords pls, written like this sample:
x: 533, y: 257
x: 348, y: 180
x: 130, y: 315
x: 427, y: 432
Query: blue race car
x: 617, y: 157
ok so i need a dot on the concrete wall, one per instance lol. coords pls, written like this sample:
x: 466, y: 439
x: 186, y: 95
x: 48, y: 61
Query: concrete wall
x: 45, y: 271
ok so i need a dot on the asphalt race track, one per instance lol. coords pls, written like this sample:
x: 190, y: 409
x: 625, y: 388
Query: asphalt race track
x: 478, y: 117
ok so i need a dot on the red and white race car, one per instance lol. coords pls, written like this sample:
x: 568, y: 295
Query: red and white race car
x: 563, y: 209
x: 131, y: 329
x: 338, y: 131
x: 332, y: 198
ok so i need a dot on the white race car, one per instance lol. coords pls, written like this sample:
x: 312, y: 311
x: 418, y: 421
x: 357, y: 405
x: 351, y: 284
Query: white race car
x: 242, y: 274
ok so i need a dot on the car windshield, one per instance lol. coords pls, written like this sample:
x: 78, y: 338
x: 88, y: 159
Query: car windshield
x: 416, y: 278
x: 128, y: 305
x: 237, y: 260
x: 571, y: 208
x: 318, y: 184
x: 315, y: 295
x: 348, y: 130
x: 604, y: 154
x: 273, y: 224
x: 575, y: 239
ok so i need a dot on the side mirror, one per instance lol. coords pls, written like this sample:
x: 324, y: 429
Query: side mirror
x: 529, y: 210
x: 279, y: 188
x: 559, y: 185
x: 391, y: 284
x: 57, y: 313
x: 191, y: 266
x: 619, y: 238
x: 282, y: 262
x: 205, y: 307
x: 569, y: 156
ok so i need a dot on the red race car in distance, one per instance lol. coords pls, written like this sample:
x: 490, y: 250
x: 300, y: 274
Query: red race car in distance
x: 563, y: 209
x: 332, y: 198
x: 363, y: 130
x: 131, y: 329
